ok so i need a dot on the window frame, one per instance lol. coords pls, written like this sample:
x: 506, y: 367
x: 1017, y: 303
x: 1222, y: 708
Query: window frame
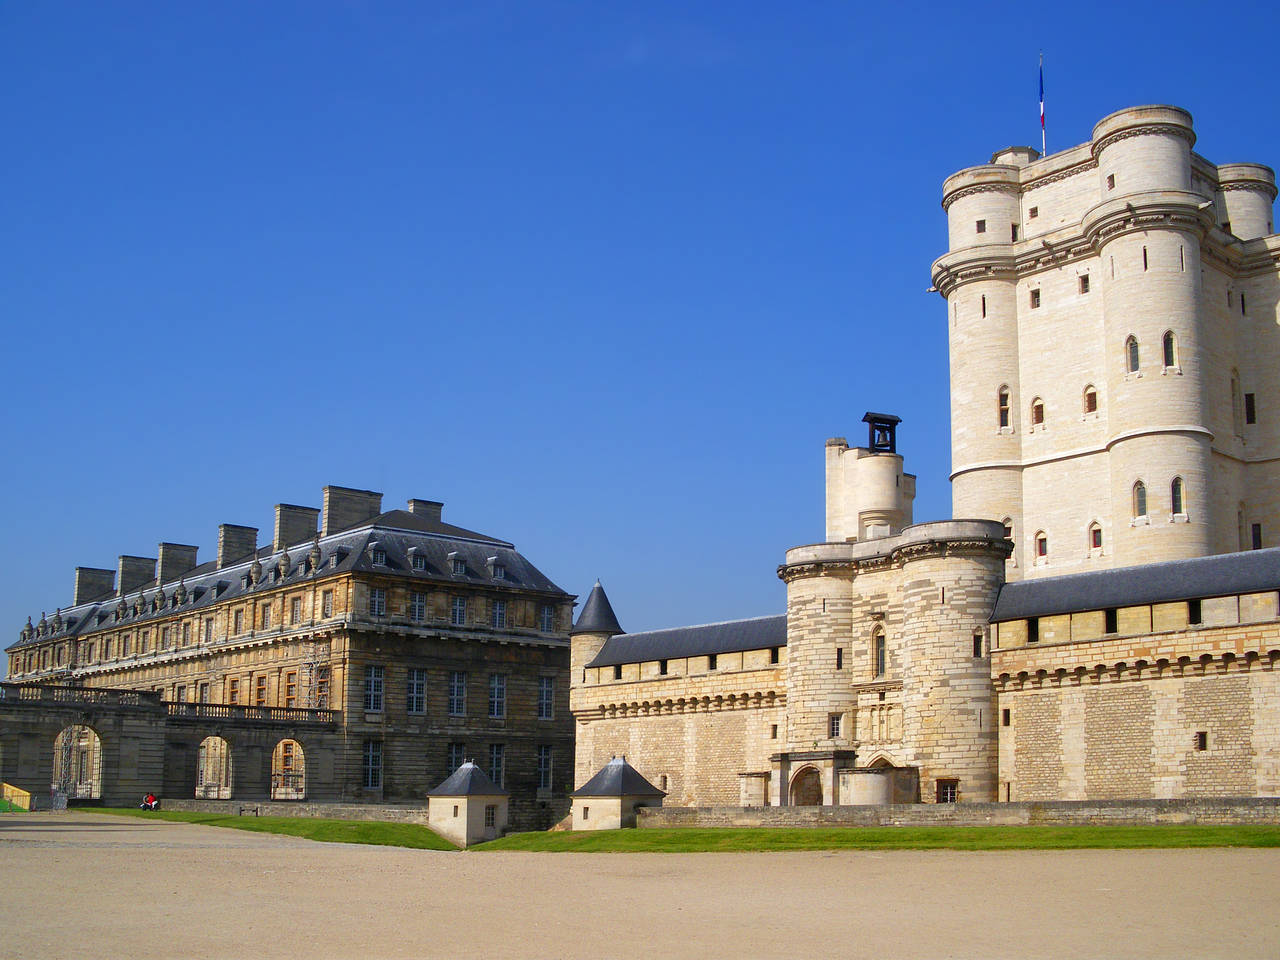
x: 375, y: 677
x: 497, y: 696
x: 415, y: 691
x: 457, y: 693
x: 371, y: 765
x: 546, y: 698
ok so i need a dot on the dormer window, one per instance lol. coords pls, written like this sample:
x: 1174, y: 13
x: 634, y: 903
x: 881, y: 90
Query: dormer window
x: 457, y: 564
x: 419, y: 561
x: 377, y: 556
x: 496, y: 569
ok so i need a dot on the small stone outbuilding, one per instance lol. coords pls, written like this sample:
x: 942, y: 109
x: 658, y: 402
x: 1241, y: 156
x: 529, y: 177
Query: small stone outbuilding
x: 468, y: 807
x: 608, y: 800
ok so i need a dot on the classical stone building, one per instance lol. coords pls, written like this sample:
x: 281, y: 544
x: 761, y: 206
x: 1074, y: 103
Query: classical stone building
x: 419, y: 643
x: 1111, y: 311
x: 1113, y: 318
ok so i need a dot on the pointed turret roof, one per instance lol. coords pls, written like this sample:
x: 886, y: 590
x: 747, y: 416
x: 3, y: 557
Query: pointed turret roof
x: 617, y: 778
x: 597, y: 615
x: 469, y: 781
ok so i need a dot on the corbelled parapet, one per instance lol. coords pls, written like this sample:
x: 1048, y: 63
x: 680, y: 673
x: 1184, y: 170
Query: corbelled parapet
x: 940, y: 538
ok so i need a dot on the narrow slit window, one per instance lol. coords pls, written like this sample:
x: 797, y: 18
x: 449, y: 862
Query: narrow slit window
x: 1033, y: 630
x: 1250, y: 409
x: 1131, y: 355
x: 1013, y: 232
x: 1144, y: 258
x: 984, y: 304
x: 1177, y: 497
x: 1170, y: 350
x: 1095, y: 537
x: 1090, y: 400
x: 1035, y: 299
x: 1042, y: 545
x: 1037, y: 412
x: 1003, y: 403
x: 977, y: 645
x: 1084, y: 283
x: 1139, y: 499
x: 1111, y: 622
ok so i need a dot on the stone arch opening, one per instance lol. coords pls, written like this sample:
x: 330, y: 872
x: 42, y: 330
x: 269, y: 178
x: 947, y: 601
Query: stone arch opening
x: 77, y: 764
x: 806, y: 788
x: 213, y: 769
x: 288, y: 771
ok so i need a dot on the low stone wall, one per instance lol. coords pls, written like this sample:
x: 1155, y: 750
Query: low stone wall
x: 386, y: 812
x: 1228, y: 810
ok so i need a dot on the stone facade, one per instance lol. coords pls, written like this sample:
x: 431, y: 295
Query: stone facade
x: 1130, y: 239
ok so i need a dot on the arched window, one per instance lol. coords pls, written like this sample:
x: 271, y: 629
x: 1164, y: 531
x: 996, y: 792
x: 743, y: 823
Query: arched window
x: 879, y: 653
x: 1170, y: 349
x: 1131, y: 355
x: 1177, y: 496
x: 1002, y: 405
x: 1090, y: 399
x: 1042, y: 544
x: 1037, y: 412
x: 1139, y: 499
x: 1095, y: 536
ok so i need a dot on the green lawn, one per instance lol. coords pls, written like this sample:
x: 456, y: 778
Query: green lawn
x: 693, y: 840
x: 312, y: 828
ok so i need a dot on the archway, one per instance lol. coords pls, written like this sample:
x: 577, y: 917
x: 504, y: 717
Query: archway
x: 806, y: 788
x: 288, y: 771
x: 77, y: 764
x: 213, y: 769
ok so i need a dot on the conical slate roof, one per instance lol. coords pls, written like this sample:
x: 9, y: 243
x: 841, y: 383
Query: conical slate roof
x: 617, y: 778
x: 468, y: 781
x: 597, y: 615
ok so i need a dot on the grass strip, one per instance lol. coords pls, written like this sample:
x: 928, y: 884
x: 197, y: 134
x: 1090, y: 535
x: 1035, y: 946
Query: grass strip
x: 374, y: 832
x: 731, y: 839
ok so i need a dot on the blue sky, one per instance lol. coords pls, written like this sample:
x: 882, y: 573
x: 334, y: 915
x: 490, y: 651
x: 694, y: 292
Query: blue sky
x: 601, y: 277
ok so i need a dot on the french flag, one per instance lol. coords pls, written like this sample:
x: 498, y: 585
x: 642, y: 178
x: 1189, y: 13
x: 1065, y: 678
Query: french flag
x: 1042, y: 149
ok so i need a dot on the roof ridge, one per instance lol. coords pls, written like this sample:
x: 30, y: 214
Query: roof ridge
x: 714, y: 623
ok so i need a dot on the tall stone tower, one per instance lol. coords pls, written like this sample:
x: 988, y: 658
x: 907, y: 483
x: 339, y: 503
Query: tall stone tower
x: 1112, y: 317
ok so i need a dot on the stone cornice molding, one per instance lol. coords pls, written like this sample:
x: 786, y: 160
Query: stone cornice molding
x: 969, y: 191
x: 1072, y: 171
x: 899, y: 555
x: 1145, y: 130
x: 954, y: 270
x: 668, y: 706
x: 1171, y: 210
x: 1256, y: 186
x: 1140, y: 669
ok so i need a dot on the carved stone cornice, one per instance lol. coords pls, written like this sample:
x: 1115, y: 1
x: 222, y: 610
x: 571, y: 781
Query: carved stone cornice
x: 905, y: 553
x: 1145, y: 130
x: 977, y: 188
x: 953, y: 271
x: 1257, y: 186
x: 1072, y: 171
x: 1139, y: 669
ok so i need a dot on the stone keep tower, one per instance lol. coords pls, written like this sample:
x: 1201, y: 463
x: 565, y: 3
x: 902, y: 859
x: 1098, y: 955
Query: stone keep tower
x: 1112, y: 316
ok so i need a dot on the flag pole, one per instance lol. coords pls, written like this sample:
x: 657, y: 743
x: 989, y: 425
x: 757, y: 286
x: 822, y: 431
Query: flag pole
x: 1043, y: 150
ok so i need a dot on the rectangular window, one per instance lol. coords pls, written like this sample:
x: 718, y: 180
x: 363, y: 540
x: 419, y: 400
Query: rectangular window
x: 662, y: 667
x: 774, y: 654
x: 546, y: 698
x: 1004, y: 717
x: 164, y: 637
x: 713, y: 662
x: 948, y: 791
x: 547, y: 616
x: 1084, y: 283
x: 266, y: 617
x: 417, y: 606
x: 1202, y: 740
x: 377, y: 602
x: 497, y: 696
x: 490, y: 815
x: 106, y: 652
x: 203, y: 693
x: 617, y: 671
x: 1035, y: 299
x: 984, y: 304
x: 291, y: 688
x: 1033, y: 213
x: 416, y: 691
x: 1110, y: 621
x: 977, y: 645
x: 322, y: 688
x: 208, y: 630
x: 457, y: 756
x: 180, y: 693
x: 419, y: 562
x: 373, y: 677
x: 1013, y: 233
x: 233, y: 691
x: 186, y: 633
x: 326, y: 603
x: 496, y: 762
x: 981, y: 226
x: 1033, y: 630
x: 260, y: 690
x: 773, y: 731
x: 1194, y: 616
x: 1255, y: 536
x: 459, y: 567
x: 1095, y: 538
x: 839, y: 658
x: 458, y: 611
x: 457, y: 694
x: 1250, y: 409
x: 498, y: 614
x: 1111, y: 181
x: 295, y: 610
x: 544, y: 766
x: 372, y: 764
x: 833, y: 725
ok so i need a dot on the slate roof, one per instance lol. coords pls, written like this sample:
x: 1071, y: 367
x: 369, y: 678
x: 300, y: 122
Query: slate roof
x: 396, y: 533
x: 617, y: 778
x: 468, y: 781
x: 597, y: 615
x: 1251, y: 571
x: 727, y: 637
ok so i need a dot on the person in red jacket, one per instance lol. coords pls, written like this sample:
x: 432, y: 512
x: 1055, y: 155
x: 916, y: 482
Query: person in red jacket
x: 149, y: 802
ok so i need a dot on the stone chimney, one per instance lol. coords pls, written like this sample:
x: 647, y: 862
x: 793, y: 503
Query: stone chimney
x: 133, y: 572
x: 175, y: 560
x: 235, y: 543
x: 427, y: 509
x: 344, y: 508
x: 92, y: 583
x: 294, y: 525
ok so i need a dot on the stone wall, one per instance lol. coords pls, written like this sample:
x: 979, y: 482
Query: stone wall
x: 1229, y: 810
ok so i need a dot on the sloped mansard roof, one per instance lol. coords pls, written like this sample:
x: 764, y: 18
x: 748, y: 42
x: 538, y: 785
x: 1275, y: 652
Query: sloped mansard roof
x: 730, y: 636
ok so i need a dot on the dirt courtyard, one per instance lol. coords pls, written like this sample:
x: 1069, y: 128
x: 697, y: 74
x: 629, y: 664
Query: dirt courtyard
x: 82, y: 885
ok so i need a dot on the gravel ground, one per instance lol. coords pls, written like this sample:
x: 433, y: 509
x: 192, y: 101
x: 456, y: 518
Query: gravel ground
x: 87, y: 885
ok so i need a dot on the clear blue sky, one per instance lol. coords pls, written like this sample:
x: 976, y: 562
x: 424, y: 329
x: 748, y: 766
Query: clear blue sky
x: 601, y: 277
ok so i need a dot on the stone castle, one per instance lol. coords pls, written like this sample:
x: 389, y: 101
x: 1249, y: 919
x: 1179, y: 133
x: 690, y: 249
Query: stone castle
x: 1110, y: 626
